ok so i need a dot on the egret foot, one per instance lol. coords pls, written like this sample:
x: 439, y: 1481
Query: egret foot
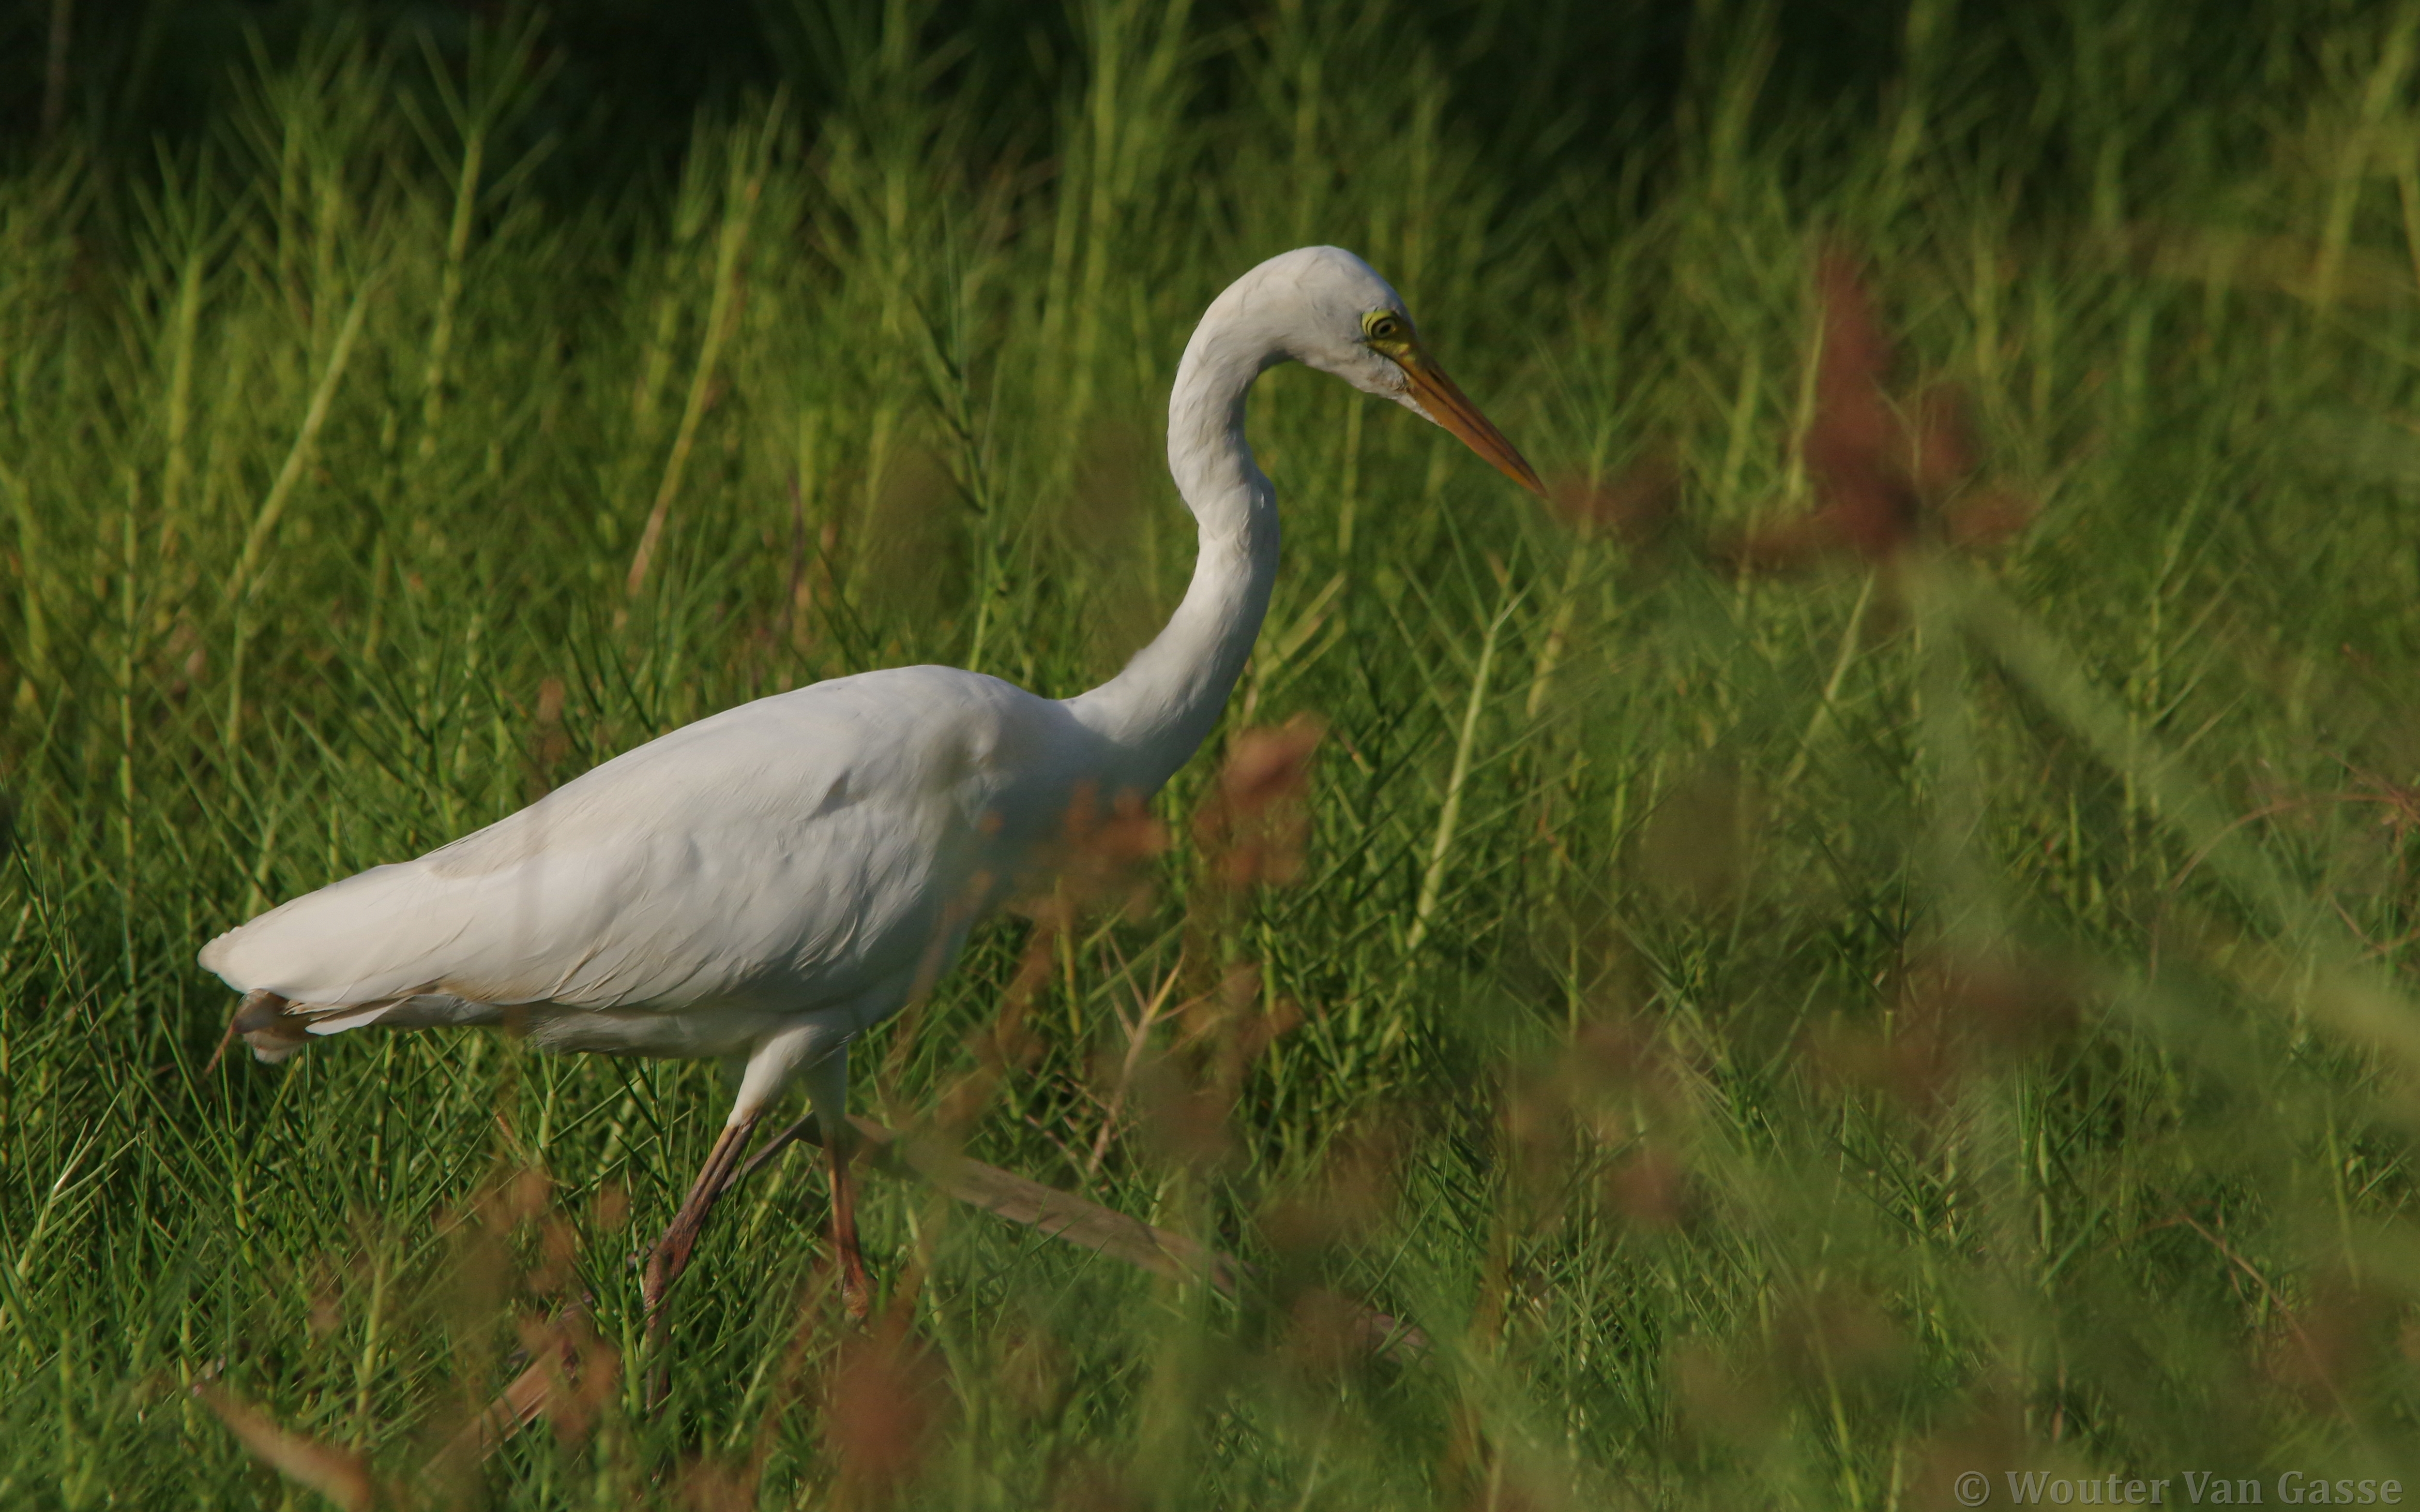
x: 670, y: 1256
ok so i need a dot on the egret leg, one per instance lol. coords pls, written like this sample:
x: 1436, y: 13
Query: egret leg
x: 670, y: 1256
x: 828, y: 1091
x: 827, y: 1124
x: 856, y: 1292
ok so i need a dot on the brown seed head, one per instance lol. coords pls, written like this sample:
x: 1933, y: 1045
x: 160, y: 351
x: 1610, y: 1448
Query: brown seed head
x: 1636, y: 506
x: 1650, y: 1188
x: 1877, y: 476
x: 882, y: 1407
x: 2325, y: 1348
x: 1255, y: 826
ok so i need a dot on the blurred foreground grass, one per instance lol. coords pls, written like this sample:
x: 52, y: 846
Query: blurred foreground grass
x: 1869, y: 941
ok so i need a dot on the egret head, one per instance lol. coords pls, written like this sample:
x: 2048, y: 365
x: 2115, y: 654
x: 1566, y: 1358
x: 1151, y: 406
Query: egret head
x: 1337, y: 314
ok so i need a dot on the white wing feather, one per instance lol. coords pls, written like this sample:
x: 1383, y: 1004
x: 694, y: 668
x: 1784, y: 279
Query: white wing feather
x: 788, y: 853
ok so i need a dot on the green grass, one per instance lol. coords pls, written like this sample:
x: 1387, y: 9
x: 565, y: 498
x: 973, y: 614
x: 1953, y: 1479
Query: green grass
x: 1786, y: 1037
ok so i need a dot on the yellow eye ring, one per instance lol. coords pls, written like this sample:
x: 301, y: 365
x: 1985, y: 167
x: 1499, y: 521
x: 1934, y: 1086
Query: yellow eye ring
x: 1383, y: 325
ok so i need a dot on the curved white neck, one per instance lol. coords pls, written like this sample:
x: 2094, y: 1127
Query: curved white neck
x: 1159, y: 710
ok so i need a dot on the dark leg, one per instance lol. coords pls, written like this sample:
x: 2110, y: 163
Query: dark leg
x: 806, y: 1129
x: 855, y: 1292
x: 827, y: 1091
x: 670, y: 1256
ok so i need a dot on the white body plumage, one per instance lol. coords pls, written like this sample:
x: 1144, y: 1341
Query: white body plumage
x: 787, y: 871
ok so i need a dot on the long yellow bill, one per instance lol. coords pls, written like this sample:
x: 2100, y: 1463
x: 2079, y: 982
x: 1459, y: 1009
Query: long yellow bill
x: 1446, y: 404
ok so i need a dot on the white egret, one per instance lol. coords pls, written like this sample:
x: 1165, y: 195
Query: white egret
x: 764, y: 884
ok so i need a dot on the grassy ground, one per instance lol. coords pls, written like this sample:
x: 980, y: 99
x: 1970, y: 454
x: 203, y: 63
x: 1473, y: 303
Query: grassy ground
x: 1868, y: 941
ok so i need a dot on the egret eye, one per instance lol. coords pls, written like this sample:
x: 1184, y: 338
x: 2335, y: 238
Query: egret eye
x: 1381, y: 325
